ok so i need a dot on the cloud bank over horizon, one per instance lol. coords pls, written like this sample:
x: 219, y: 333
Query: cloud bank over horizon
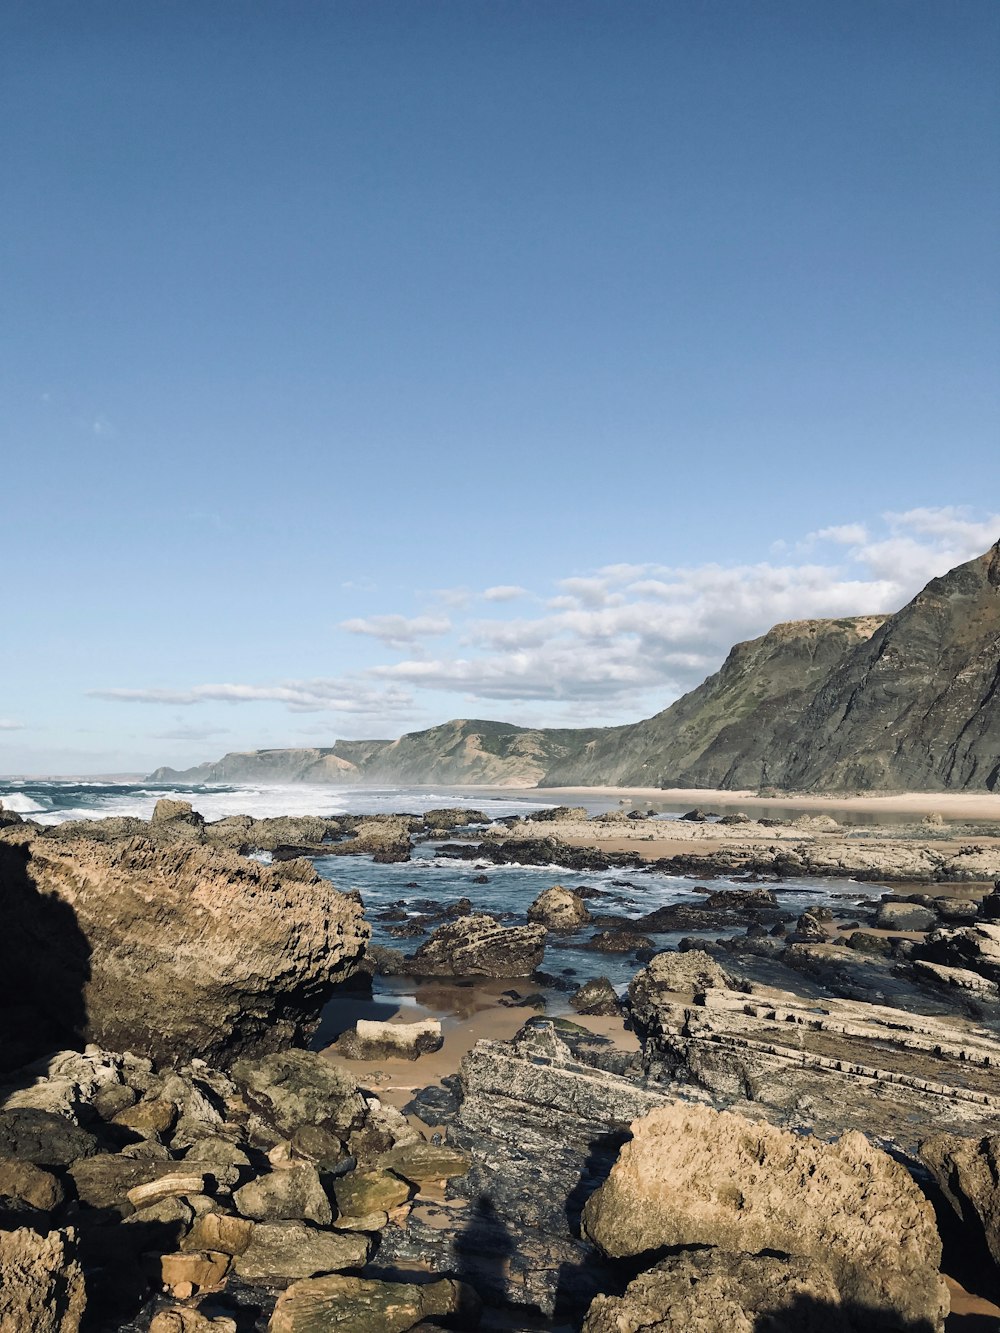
x: 602, y: 646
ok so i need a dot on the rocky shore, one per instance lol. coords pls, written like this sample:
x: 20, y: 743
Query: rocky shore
x: 784, y: 1125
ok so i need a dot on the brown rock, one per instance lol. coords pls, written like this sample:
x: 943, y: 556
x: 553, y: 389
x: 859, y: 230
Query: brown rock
x: 422, y: 1163
x: 41, y: 1282
x: 219, y: 1231
x: 201, y: 1270
x: 967, y: 1172
x: 694, y: 1176
x: 283, y: 1252
x: 291, y: 1089
x: 365, y: 1192
x: 294, y: 1192
x: 559, y: 909
x: 710, y: 1291
x: 354, y: 1305
x: 149, y: 1118
x: 167, y: 1186
x: 175, y: 950
x: 22, y: 1180
x: 182, y: 1319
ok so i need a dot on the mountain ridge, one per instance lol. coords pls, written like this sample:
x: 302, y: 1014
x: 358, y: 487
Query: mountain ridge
x: 873, y: 703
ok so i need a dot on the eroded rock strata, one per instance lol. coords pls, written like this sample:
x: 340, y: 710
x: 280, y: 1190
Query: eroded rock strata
x: 176, y: 951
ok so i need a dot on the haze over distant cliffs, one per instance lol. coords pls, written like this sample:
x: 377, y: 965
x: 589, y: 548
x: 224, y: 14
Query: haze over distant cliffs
x: 870, y: 703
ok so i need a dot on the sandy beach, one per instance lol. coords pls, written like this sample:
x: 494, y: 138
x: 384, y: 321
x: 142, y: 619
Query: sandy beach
x: 953, y: 806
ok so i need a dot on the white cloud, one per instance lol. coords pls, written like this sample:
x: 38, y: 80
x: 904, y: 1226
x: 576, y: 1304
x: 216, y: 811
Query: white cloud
x: 847, y: 534
x: 398, y: 631
x: 504, y: 592
x: 8, y: 724
x: 312, y: 696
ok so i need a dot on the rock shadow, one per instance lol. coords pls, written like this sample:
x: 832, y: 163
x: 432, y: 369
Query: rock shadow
x: 44, y: 968
x: 806, y: 1314
x: 483, y: 1250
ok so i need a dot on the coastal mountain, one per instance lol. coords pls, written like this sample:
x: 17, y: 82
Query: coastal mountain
x: 454, y: 753
x: 868, y: 703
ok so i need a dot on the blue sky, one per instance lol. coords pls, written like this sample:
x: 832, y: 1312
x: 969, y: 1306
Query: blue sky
x: 324, y: 322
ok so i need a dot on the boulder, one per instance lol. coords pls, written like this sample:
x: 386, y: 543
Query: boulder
x: 43, y: 1137
x: 975, y: 948
x: 105, y: 1180
x: 905, y: 916
x: 670, y: 972
x: 294, y: 1192
x: 423, y: 1163
x: 357, y: 1305
x: 619, y: 941
x: 479, y: 946
x: 183, y: 1319
x: 175, y: 821
x: 712, y: 1291
x: 174, y: 950
x: 221, y: 1232
x: 283, y: 1252
x: 41, y: 1282
x: 967, y: 1172
x: 291, y: 1089
x: 30, y: 1184
x: 371, y: 1040
x: 597, y: 996
x: 362, y: 1193
x: 694, y: 1176
x: 559, y: 909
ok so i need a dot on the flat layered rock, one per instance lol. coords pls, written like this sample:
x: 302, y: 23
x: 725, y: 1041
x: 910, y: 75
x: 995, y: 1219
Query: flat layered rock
x: 820, y: 1063
x: 282, y: 1252
x: 694, y: 1176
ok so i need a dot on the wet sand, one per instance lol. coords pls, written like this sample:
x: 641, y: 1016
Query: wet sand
x: 468, y: 1014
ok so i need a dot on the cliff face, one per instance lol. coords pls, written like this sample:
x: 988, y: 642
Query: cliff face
x: 717, y: 735
x: 910, y: 700
x: 916, y: 706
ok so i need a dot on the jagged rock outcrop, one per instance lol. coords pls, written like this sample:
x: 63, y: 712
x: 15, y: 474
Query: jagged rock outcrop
x: 176, y: 951
x: 540, y: 1120
x: 967, y: 1171
x: 41, y: 1282
x: 711, y: 1291
x: 694, y: 1176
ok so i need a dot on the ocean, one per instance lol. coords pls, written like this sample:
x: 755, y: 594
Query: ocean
x: 509, y: 889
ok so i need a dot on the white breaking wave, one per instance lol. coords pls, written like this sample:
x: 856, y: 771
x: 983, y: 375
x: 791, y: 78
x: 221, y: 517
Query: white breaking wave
x: 22, y: 805
x: 69, y: 801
